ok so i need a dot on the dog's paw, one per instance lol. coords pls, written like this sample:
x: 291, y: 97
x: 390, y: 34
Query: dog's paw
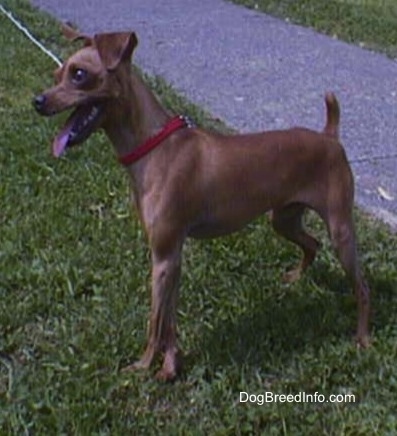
x: 128, y: 368
x: 166, y: 375
x: 292, y: 276
x: 363, y: 341
x: 139, y: 365
x: 172, y: 366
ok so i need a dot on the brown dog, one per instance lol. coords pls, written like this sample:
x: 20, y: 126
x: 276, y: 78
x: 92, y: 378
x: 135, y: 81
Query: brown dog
x: 191, y: 182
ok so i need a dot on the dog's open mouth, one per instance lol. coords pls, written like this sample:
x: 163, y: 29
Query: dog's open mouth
x: 78, y: 127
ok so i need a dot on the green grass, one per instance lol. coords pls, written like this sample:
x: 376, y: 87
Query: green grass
x: 74, y: 300
x: 370, y: 23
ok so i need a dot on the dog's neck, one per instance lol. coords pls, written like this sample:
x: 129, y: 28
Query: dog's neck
x: 136, y: 116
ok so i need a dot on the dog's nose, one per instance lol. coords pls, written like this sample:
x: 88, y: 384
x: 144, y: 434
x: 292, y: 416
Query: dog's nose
x: 39, y: 102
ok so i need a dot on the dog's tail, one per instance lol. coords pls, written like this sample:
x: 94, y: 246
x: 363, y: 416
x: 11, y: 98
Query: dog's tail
x: 333, y: 114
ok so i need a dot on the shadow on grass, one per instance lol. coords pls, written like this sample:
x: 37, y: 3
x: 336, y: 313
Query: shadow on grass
x: 320, y: 309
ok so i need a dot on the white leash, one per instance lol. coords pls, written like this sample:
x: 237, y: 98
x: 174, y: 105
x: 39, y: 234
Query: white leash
x: 30, y: 36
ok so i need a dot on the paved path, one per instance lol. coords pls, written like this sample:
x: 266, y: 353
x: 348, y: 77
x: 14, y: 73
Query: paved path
x: 257, y: 72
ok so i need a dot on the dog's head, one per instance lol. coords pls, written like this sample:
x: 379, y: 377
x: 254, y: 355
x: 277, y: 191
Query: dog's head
x: 89, y: 82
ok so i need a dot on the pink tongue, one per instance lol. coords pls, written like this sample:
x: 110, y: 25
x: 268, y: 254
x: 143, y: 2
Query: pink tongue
x: 60, y: 143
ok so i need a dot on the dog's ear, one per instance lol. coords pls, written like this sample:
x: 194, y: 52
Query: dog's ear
x: 114, y: 48
x: 73, y: 35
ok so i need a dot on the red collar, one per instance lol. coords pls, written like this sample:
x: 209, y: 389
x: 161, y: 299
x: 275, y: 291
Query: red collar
x: 173, y: 124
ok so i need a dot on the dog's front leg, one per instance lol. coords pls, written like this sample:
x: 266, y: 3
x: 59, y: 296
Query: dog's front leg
x: 166, y: 270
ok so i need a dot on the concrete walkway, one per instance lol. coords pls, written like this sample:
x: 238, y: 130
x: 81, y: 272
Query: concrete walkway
x: 256, y: 72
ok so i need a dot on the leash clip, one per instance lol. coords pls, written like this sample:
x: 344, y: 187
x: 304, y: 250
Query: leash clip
x: 190, y: 124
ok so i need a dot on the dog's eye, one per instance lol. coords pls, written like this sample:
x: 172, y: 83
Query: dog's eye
x: 79, y: 76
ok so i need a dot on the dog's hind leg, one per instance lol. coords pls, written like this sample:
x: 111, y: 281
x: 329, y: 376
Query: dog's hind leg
x: 342, y: 234
x: 288, y: 223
